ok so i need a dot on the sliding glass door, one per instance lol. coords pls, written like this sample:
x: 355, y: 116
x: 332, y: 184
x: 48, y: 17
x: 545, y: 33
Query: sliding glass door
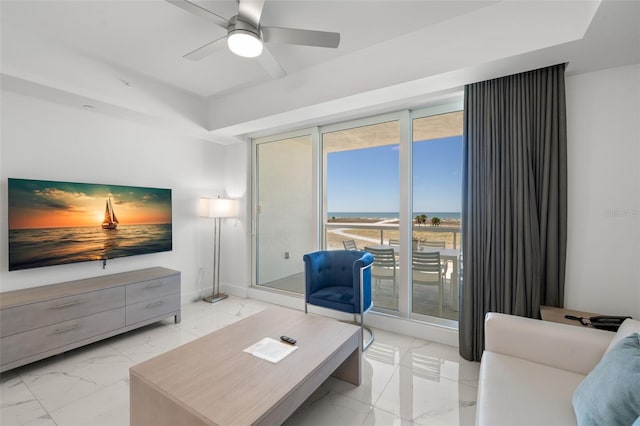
x: 284, y: 211
x: 388, y: 184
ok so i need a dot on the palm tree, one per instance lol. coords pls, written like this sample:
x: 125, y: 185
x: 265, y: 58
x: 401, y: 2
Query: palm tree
x: 435, y: 221
x: 421, y: 219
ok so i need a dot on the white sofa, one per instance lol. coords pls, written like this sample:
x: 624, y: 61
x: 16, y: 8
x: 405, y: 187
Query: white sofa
x: 531, y: 368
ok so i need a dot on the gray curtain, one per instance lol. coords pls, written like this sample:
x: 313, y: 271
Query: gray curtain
x: 514, y: 208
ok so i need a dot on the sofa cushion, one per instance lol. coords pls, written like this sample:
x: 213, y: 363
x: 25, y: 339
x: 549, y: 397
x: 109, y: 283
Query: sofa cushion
x: 629, y: 326
x: 610, y: 394
x: 514, y: 391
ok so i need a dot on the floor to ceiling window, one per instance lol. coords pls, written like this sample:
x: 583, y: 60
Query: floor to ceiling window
x: 361, y: 172
x: 437, y: 198
x: 388, y: 184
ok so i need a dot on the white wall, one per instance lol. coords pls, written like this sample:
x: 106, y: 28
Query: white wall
x: 43, y: 140
x: 235, y: 276
x: 603, y: 249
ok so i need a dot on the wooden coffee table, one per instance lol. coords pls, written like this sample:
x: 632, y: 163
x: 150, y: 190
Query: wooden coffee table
x: 211, y: 381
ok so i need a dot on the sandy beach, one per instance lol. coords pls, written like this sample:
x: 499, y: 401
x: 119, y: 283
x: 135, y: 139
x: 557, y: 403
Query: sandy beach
x: 339, y: 231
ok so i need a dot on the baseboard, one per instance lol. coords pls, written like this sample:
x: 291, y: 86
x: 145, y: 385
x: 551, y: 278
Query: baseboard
x: 277, y: 298
x: 234, y: 290
x: 421, y: 330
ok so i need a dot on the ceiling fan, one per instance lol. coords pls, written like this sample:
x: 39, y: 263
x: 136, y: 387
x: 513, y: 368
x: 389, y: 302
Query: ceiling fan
x: 246, y: 37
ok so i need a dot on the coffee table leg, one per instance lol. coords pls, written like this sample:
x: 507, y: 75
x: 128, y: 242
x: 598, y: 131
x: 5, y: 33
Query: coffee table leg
x: 351, y: 369
x: 149, y: 406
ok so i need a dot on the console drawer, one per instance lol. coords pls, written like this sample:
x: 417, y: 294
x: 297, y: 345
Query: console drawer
x: 35, y: 315
x: 43, y: 339
x: 146, y: 290
x: 152, y: 308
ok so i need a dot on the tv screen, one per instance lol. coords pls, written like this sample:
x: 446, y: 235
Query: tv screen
x: 53, y: 223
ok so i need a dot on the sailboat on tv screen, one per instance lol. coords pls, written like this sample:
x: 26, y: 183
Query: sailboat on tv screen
x: 110, y: 220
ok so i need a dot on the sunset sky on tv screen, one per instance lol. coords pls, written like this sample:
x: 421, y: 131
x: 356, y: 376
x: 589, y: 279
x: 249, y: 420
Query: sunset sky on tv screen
x: 36, y: 204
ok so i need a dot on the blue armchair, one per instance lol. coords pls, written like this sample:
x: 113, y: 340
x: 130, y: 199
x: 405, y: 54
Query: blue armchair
x: 337, y: 279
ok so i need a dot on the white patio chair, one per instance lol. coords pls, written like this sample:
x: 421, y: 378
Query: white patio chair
x: 428, y: 270
x: 350, y: 245
x: 384, y: 266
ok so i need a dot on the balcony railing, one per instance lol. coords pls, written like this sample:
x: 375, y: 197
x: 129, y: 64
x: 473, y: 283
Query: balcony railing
x: 380, y: 233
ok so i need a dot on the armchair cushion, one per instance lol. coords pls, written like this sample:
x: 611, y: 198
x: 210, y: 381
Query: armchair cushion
x: 610, y: 394
x: 339, y: 294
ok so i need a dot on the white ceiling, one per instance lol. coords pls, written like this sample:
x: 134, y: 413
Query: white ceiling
x: 151, y: 36
x: 125, y: 57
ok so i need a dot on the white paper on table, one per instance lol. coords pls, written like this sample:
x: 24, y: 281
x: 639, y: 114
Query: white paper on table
x: 270, y: 349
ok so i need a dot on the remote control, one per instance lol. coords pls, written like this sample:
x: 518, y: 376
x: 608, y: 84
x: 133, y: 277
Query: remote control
x: 289, y: 340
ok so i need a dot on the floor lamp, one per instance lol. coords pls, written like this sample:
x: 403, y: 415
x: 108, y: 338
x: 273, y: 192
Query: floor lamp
x: 217, y: 208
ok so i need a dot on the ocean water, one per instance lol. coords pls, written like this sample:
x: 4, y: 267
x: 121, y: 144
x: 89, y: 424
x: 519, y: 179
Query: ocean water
x: 391, y: 215
x: 33, y: 248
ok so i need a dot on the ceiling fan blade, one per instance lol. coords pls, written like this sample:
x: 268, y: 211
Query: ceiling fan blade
x: 196, y: 9
x: 269, y: 63
x: 250, y: 10
x: 302, y: 37
x: 206, y: 50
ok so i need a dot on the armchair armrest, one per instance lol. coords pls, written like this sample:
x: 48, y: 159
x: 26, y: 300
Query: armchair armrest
x: 556, y: 345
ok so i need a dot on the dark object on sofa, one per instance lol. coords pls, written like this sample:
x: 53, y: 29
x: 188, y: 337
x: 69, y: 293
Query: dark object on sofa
x: 603, y: 322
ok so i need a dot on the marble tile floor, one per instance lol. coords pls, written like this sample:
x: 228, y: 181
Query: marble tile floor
x: 406, y: 381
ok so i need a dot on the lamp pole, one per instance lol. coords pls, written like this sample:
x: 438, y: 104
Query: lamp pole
x: 218, y: 208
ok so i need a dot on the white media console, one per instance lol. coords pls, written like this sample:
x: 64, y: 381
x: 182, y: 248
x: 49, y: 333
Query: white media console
x: 42, y: 321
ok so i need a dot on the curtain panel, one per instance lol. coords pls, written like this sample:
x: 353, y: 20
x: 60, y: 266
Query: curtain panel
x: 514, y: 207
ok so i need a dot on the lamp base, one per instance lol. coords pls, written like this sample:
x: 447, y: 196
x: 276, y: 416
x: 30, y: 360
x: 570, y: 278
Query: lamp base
x: 215, y: 298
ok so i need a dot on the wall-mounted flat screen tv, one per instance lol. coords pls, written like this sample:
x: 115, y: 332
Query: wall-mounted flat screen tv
x: 53, y: 223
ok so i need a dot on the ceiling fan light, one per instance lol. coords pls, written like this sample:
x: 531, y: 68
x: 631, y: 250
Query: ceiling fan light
x: 244, y: 43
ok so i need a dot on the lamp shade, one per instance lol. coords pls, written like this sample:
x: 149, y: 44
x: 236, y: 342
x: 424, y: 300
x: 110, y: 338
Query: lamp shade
x: 218, y: 207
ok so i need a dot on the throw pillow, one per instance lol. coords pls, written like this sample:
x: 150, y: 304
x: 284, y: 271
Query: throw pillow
x: 629, y: 326
x: 610, y: 394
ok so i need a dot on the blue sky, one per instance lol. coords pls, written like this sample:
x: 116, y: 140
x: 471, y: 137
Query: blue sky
x: 367, y: 180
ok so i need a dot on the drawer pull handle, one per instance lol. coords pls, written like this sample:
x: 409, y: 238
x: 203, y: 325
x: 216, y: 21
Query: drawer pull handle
x: 65, y: 305
x: 67, y: 328
x: 150, y: 286
x: 154, y: 305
